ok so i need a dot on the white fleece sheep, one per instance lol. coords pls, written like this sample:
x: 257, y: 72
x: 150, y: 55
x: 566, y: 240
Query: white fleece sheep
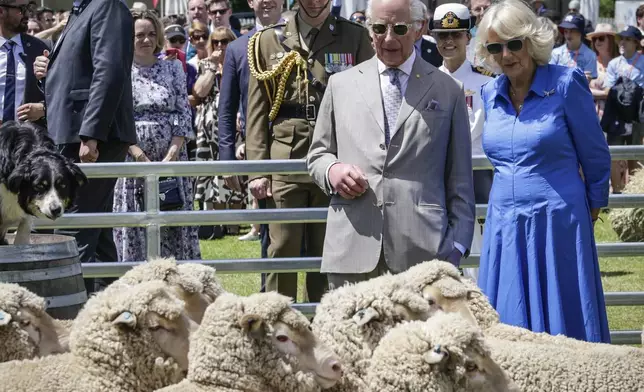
x: 194, y: 284
x: 447, y: 353
x: 135, y: 340
x: 554, y: 368
x: 255, y: 344
x: 26, y: 330
x: 353, y: 318
x: 628, y: 223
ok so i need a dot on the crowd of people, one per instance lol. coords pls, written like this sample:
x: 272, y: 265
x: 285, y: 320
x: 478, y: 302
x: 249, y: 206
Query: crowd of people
x: 373, y: 106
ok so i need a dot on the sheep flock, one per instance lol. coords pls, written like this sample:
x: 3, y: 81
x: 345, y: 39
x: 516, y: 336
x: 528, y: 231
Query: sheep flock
x: 171, y: 327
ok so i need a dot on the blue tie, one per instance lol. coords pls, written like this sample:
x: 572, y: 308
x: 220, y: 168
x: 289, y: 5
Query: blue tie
x: 392, y: 99
x: 9, y: 110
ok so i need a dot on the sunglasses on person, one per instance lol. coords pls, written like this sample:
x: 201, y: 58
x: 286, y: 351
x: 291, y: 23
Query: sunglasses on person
x: 216, y: 42
x: 177, y: 40
x: 601, y: 38
x: 358, y: 19
x: 513, y: 45
x: 443, y: 35
x: 398, y: 28
x: 199, y: 37
x: 25, y: 9
x: 218, y: 12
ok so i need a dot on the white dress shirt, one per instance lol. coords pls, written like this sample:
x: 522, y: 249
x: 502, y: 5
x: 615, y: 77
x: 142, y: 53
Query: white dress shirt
x: 20, y: 71
x: 472, y: 83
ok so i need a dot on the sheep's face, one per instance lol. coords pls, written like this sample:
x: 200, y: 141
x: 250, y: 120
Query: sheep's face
x: 167, y: 323
x: 438, y: 303
x: 295, y: 340
x: 39, y: 328
x: 390, y: 308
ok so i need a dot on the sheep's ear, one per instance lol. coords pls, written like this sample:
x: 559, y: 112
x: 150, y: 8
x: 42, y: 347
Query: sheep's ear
x: 125, y: 318
x: 436, y: 355
x: 252, y: 324
x: 406, y: 314
x: 471, y: 294
x: 364, y: 316
x: 5, y: 318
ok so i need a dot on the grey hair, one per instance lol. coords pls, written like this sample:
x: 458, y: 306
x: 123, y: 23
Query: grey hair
x: 417, y: 10
x: 512, y: 19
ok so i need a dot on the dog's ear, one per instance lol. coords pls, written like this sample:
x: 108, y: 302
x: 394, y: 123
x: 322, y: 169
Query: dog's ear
x: 79, y: 176
x: 16, y: 178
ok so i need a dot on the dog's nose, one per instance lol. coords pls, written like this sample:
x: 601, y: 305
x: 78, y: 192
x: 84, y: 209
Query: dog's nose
x: 56, y: 211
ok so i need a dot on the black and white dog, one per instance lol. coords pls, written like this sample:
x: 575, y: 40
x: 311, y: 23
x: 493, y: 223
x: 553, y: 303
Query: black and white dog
x: 35, y: 180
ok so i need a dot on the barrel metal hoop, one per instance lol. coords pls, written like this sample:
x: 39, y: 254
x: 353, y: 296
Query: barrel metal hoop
x: 61, y: 301
x: 35, y: 275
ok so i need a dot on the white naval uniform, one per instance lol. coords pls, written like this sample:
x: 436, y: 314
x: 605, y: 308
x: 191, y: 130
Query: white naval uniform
x: 473, y: 78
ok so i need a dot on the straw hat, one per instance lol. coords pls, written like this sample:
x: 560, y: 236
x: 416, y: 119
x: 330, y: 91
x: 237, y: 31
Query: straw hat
x: 602, y: 29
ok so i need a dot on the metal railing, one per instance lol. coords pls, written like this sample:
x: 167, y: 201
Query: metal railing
x: 153, y: 219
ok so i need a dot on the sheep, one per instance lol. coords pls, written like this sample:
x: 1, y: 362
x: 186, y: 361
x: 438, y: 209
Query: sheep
x: 628, y: 223
x: 447, y: 353
x: 256, y: 344
x: 134, y: 340
x: 352, y: 319
x: 554, y: 368
x: 426, y: 277
x: 26, y: 330
x: 451, y: 295
x: 194, y: 284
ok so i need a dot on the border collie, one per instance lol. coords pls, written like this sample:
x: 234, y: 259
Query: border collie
x: 35, y: 180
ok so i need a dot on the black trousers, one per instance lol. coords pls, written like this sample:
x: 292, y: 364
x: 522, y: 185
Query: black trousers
x: 95, y: 245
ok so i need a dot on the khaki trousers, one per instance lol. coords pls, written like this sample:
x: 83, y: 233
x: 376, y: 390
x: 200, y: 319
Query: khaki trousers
x: 288, y: 239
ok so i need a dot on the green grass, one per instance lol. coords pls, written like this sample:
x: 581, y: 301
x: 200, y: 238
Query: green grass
x: 618, y: 273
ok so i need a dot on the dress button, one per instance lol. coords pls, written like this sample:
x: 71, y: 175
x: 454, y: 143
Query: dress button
x: 385, y: 174
x: 310, y: 61
x: 382, y: 146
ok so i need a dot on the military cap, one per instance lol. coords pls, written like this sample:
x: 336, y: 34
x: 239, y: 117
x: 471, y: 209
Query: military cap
x: 451, y: 17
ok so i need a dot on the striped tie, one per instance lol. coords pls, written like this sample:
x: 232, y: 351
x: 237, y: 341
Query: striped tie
x: 9, y: 110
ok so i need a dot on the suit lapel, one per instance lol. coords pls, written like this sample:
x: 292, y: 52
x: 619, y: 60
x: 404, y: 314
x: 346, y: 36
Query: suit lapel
x: 418, y: 85
x: 326, y: 36
x: 369, y: 87
x: 70, y: 24
x: 292, y: 37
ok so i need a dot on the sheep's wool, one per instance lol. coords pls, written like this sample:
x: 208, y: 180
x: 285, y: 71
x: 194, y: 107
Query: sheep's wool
x: 14, y: 341
x: 628, y: 223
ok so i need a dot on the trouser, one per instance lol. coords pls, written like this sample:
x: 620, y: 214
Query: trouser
x: 286, y: 240
x: 482, y: 186
x: 338, y: 280
x: 265, y: 241
x: 96, y: 196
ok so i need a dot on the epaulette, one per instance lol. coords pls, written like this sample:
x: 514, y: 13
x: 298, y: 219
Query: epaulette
x: 483, y: 71
x: 280, y: 24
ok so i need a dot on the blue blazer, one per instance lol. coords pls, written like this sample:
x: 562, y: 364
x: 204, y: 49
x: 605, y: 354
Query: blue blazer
x: 233, y: 93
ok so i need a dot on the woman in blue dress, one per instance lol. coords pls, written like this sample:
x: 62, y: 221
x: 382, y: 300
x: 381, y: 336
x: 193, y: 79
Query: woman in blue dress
x: 539, y: 263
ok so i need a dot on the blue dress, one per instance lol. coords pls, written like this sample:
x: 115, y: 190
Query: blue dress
x: 539, y: 263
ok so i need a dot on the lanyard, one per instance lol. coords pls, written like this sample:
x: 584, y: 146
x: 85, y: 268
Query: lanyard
x: 574, y: 61
x: 630, y: 72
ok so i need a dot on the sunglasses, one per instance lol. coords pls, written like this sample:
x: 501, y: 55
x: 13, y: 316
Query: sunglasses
x: 447, y: 34
x: 177, y: 40
x: 216, y: 42
x: 199, y: 37
x: 25, y: 9
x: 601, y: 38
x: 398, y: 28
x: 218, y: 12
x: 513, y: 45
x: 357, y: 18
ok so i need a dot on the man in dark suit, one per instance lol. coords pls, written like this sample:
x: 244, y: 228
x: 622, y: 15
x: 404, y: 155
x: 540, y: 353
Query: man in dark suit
x: 425, y: 46
x: 89, y: 110
x: 234, y: 94
x: 23, y: 99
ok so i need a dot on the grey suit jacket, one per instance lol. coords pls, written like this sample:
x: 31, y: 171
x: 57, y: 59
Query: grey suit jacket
x: 88, y: 89
x: 420, y: 198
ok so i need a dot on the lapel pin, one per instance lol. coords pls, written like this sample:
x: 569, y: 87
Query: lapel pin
x: 549, y: 93
x: 417, y: 76
x: 288, y: 33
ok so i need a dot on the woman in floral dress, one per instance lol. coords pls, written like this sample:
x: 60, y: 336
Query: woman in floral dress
x: 163, y: 122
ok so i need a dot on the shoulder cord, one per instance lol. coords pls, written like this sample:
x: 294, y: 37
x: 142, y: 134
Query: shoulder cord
x: 283, y: 70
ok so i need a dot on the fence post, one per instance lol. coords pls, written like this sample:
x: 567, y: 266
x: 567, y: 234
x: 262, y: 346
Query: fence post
x: 152, y: 230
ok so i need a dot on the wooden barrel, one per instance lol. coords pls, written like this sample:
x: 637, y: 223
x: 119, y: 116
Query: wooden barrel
x: 49, y: 267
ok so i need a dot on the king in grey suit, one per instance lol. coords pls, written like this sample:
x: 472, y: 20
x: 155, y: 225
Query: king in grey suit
x: 394, y: 205
x: 88, y: 94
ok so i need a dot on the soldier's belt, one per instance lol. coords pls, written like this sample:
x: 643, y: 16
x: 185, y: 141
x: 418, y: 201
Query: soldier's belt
x: 306, y: 112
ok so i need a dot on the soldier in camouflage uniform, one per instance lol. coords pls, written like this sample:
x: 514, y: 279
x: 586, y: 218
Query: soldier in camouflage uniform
x: 290, y: 64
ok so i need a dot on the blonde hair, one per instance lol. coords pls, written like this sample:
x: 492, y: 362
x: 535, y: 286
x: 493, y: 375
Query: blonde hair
x: 220, y: 33
x: 197, y: 26
x: 512, y: 19
x: 158, y: 27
